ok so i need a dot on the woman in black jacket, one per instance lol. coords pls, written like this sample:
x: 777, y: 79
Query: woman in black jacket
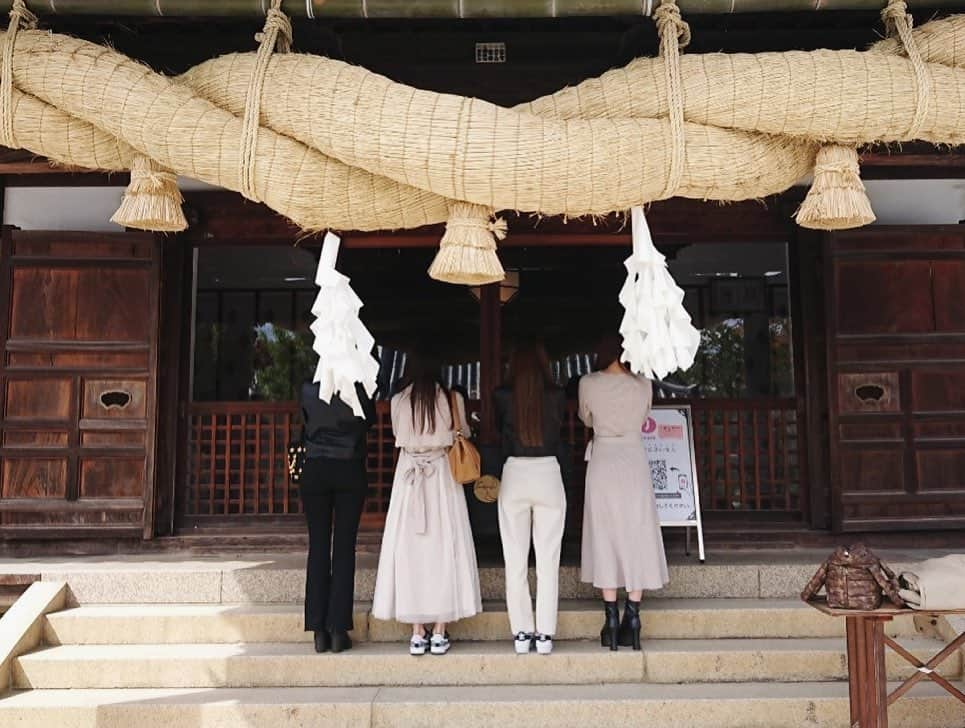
x: 333, y: 488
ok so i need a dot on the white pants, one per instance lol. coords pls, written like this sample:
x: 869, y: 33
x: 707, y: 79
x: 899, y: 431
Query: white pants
x: 532, y: 504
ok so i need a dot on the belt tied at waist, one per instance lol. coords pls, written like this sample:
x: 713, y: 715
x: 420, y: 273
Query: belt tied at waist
x: 421, y: 467
x: 632, y: 437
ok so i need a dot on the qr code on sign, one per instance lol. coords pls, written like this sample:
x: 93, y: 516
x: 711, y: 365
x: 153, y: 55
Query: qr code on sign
x: 658, y: 473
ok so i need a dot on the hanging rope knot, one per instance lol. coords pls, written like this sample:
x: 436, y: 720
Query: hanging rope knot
x: 898, y: 22
x: 895, y: 13
x: 20, y: 17
x: 499, y: 228
x: 670, y: 24
x: 278, y: 27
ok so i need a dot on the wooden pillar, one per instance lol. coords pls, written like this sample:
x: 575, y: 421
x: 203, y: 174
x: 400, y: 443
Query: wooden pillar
x: 490, y: 357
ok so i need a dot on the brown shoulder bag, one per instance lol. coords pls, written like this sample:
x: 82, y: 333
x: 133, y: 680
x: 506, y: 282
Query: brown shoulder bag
x: 464, y: 459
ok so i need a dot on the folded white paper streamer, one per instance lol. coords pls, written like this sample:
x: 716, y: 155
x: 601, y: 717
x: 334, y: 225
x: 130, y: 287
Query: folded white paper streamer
x: 658, y: 336
x: 343, y: 344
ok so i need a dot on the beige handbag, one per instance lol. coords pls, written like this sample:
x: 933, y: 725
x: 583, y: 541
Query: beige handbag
x: 464, y: 459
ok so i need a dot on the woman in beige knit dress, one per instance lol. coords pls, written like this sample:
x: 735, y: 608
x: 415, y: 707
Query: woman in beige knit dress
x: 427, y: 571
x: 622, y: 543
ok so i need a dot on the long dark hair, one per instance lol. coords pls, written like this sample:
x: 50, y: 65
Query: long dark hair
x: 529, y: 378
x: 423, y: 372
x: 608, y: 350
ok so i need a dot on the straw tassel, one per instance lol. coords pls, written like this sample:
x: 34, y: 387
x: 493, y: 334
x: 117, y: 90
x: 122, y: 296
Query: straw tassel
x: 467, y: 252
x: 152, y: 201
x: 837, y: 199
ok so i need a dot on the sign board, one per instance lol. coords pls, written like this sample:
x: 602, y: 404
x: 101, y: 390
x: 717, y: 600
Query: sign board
x: 668, y: 434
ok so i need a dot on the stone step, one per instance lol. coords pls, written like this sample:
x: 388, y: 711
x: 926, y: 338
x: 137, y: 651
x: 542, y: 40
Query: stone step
x: 281, y: 580
x: 762, y: 705
x: 469, y: 663
x: 662, y: 619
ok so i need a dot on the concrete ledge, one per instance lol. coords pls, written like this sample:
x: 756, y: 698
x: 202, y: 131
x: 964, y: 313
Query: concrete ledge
x: 21, y: 627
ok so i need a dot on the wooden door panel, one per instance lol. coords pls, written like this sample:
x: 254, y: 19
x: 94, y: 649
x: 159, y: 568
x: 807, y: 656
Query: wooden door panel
x: 43, y: 398
x: 884, y: 297
x: 938, y: 390
x: 896, y: 362
x: 876, y: 469
x: 33, y: 439
x: 77, y: 375
x: 949, y: 291
x: 112, y: 305
x: 34, y: 477
x: 112, y: 477
x: 43, y: 303
x: 114, y: 399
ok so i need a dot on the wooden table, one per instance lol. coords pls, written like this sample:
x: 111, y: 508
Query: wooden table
x: 867, y: 678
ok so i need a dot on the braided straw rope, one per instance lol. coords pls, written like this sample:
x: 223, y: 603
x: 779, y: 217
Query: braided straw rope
x: 358, y: 151
x: 20, y: 16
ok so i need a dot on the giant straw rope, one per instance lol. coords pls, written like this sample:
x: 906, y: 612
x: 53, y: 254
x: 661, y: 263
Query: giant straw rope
x: 334, y: 146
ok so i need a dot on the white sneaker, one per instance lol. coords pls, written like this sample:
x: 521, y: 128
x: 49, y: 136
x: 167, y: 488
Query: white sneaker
x: 440, y: 644
x: 523, y: 643
x: 544, y: 644
x: 418, y: 645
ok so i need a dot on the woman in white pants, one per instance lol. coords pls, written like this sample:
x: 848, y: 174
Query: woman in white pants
x: 532, y: 501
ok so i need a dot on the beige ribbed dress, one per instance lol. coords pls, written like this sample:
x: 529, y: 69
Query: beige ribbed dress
x: 622, y: 544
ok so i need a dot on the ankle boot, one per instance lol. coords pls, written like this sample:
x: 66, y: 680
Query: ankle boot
x: 630, y: 626
x: 611, y: 626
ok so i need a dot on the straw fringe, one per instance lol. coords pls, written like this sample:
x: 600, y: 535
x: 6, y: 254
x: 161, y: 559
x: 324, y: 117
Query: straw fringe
x: 152, y: 200
x: 467, y: 252
x: 837, y: 199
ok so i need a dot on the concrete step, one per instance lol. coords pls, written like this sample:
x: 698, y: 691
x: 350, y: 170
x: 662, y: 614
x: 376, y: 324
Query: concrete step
x: 469, y: 663
x: 579, y: 619
x: 764, y: 705
x: 281, y: 580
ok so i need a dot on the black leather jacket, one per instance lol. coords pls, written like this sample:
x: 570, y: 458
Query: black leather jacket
x: 333, y: 430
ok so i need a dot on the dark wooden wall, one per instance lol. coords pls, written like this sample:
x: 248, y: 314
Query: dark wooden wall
x: 896, y: 355
x: 78, y: 351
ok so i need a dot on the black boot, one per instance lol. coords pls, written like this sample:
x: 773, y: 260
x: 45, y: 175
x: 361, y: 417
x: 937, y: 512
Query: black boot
x: 323, y: 641
x: 611, y: 626
x: 630, y: 626
x: 341, y: 641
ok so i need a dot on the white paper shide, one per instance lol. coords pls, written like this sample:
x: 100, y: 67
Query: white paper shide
x: 343, y: 344
x: 658, y: 336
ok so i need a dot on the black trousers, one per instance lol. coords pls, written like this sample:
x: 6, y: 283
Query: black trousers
x: 333, y: 493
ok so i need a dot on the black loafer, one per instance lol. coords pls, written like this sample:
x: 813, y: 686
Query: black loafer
x: 323, y: 641
x: 341, y: 641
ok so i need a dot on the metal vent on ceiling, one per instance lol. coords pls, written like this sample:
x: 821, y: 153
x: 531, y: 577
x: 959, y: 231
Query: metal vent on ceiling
x: 490, y: 52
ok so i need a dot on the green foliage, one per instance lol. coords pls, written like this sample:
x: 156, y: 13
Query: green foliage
x: 719, y: 369
x: 283, y: 360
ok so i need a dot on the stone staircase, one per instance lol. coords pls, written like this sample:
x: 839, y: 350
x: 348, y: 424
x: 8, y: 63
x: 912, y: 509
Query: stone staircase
x: 748, y: 661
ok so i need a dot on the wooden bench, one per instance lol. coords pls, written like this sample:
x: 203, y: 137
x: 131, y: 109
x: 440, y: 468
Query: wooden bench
x: 867, y: 678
